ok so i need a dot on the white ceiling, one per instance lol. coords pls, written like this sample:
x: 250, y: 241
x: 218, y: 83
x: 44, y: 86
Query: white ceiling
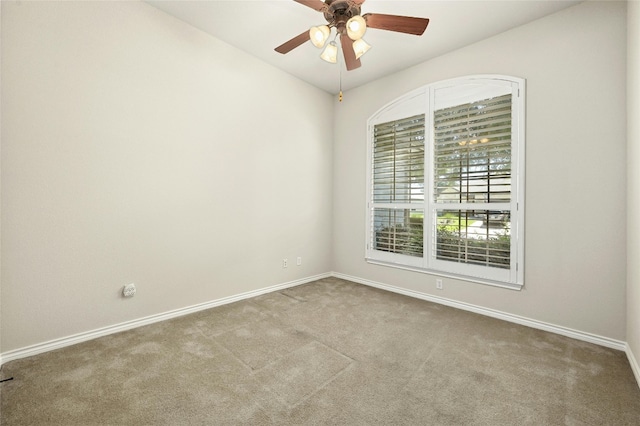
x: 258, y: 26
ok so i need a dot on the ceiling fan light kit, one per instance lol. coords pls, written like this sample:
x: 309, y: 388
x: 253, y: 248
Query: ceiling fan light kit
x: 360, y: 47
x: 319, y: 35
x: 356, y: 27
x: 350, y: 25
x: 330, y: 53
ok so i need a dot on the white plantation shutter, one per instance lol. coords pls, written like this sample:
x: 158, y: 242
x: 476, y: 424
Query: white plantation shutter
x: 472, y: 160
x: 398, y: 182
x: 398, y: 161
x: 445, y: 177
x: 398, y: 231
x: 472, y: 182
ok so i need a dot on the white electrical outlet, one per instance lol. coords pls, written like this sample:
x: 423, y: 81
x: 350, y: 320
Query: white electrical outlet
x: 299, y: 261
x: 439, y: 284
x: 129, y: 290
x: 285, y: 263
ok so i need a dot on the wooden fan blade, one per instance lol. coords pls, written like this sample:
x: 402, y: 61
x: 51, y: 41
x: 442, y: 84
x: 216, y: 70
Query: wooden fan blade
x: 288, y: 46
x: 400, y: 24
x: 349, y: 55
x: 313, y: 4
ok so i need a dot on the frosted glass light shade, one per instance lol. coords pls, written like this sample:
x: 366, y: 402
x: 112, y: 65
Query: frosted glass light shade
x: 356, y: 27
x: 360, y: 47
x: 319, y: 35
x: 330, y: 53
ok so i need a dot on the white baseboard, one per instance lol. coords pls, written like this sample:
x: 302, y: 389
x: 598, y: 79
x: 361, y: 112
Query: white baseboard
x: 634, y: 364
x: 93, y: 334
x: 564, y: 331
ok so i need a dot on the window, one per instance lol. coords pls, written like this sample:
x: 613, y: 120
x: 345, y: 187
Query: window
x: 445, y: 173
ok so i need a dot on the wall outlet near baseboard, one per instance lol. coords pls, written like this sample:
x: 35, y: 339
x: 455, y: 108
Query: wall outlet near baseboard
x: 285, y: 263
x: 129, y: 290
x: 439, y: 284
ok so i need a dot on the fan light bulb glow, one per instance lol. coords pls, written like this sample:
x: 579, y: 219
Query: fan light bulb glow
x: 356, y: 27
x: 319, y: 35
x: 360, y: 47
x: 330, y: 53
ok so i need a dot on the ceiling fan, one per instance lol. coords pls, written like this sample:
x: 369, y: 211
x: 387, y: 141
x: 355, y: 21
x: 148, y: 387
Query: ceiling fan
x: 344, y: 16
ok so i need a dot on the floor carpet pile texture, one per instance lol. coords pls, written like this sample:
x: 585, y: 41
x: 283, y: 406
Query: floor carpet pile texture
x: 328, y: 352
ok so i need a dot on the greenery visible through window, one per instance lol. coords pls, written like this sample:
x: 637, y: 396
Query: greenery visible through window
x: 443, y: 180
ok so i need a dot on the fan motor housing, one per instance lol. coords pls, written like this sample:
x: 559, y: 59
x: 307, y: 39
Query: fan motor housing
x: 340, y: 11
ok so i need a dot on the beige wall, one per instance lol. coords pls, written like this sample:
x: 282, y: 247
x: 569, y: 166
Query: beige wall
x: 0, y: 192
x: 136, y: 148
x: 633, y: 170
x: 575, y: 254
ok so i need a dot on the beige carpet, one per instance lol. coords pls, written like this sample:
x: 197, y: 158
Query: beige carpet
x: 328, y: 352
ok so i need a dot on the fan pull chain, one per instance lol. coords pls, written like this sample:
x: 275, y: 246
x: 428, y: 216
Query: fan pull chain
x: 340, y: 94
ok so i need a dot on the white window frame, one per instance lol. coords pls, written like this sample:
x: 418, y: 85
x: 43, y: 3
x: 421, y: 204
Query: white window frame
x: 422, y: 101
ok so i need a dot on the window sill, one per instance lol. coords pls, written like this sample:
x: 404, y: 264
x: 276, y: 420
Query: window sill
x: 476, y: 280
